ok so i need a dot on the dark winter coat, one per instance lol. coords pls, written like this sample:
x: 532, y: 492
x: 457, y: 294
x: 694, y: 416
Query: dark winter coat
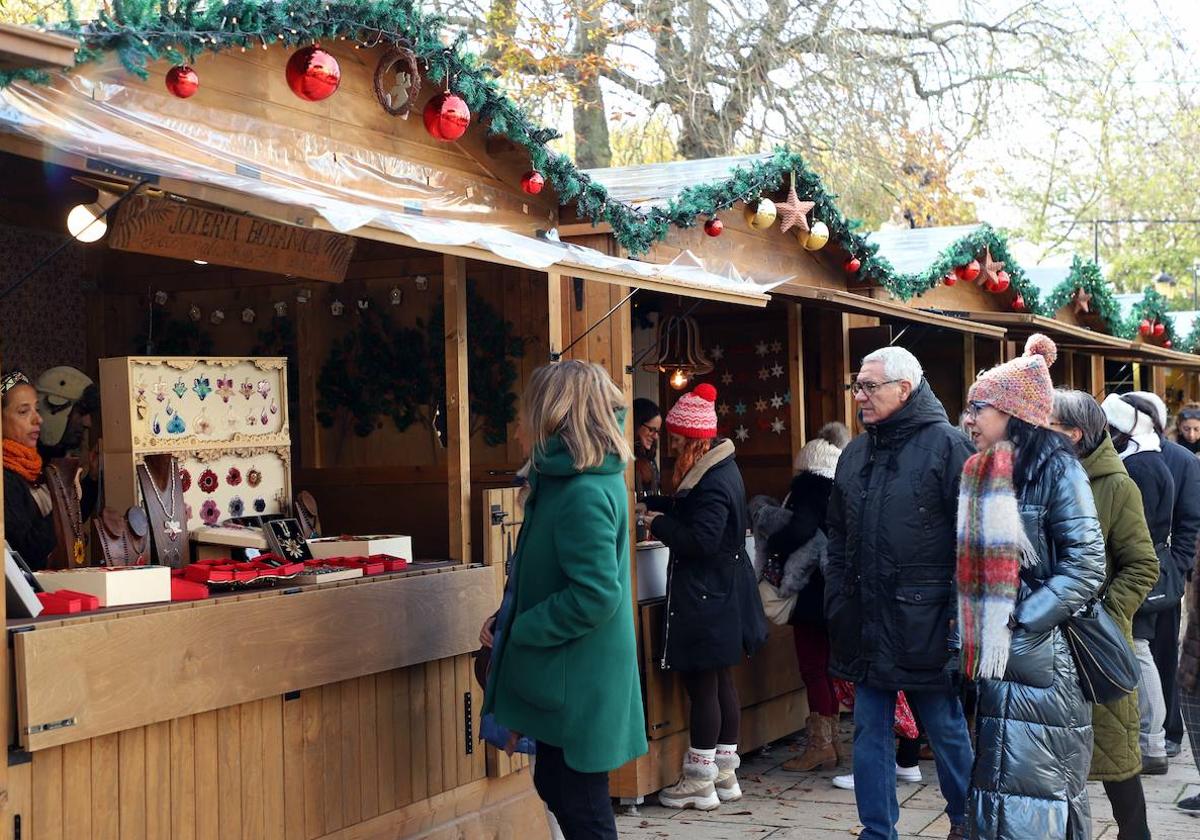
x: 714, y: 617
x: 1185, y: 519
x: 29, y: 532
x: 1150, y: 473
x: 1034, y: 728
x: 1132, y: 569
x: 808, y: 500
x: 889, y: 591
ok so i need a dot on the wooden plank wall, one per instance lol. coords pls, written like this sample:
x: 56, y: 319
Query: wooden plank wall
x: 289, y: 769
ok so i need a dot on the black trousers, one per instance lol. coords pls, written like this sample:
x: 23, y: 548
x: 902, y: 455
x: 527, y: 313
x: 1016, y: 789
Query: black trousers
x: 716, y: 714
x: 1190, y: 703
x: 1129, y: 808
x: 1165, y: 649
x: 579, y: 801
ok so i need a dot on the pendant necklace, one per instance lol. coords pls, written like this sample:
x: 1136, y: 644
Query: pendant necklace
x: 171, y: 526
x: 77, y: 554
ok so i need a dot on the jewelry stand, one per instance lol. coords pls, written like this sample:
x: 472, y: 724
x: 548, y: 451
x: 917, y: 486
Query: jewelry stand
x: 162, y: 492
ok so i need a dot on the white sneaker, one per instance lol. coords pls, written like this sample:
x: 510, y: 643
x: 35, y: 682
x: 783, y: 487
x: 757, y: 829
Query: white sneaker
x: 903, y: 774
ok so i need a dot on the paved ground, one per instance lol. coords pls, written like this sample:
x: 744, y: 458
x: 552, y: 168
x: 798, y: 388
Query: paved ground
x: 805, y: 806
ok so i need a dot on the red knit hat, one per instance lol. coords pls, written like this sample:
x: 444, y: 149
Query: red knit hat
x: 695, y: 414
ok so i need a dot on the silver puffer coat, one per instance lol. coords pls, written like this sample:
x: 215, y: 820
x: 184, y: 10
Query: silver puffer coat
x: 1034, y: 726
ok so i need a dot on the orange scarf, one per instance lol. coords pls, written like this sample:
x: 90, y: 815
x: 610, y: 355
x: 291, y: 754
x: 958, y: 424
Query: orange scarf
x: 23, y: 460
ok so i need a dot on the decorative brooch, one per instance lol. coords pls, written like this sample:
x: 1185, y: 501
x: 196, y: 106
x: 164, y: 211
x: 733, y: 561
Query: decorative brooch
x: 225, y: 388
x: 208, y: 481
x: 180, y: 387
x: 247, y: 388
x: 176, y: 426
x: 185, y: 480
x: 160, y: 390
x: 203, y: 425
x: 254, y: 477
x: 260, y: 504
x: 234, y: 477
x: 202, y: 388
x: 264, y: 388
x: 210, y: 514
x: 235, y: 506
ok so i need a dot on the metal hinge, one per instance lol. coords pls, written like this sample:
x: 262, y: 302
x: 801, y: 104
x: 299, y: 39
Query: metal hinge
x: 498, y: 515
x: 468, y: 723
x: 47, y: 727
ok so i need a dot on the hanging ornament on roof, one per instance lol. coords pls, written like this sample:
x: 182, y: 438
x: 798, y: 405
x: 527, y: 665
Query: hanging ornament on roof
x: 793, y: 212
x: 762, y: 216
x: 1168, y: 344
x: 951, y: 277
x: 533, y: 181
x: 714, y: 226
x: 1082, y: 301
x: 1001, y: 283
x: 313, y: 74
x: 1145, y: 327
x: 816, y: 238
x: 447, y: 117
x: 182, y: 81
x: 1159, y: 329
x: 852, y: 265
x: 1018, y: 304
x: 969, y: 272
x: 988, y: 271
x: 397, y: 80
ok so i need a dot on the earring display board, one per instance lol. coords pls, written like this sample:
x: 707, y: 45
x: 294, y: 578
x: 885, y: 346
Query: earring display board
x: 224, y: 419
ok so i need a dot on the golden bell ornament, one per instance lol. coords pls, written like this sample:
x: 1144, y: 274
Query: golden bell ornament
x: 762, y: 216
x: 817, y: 237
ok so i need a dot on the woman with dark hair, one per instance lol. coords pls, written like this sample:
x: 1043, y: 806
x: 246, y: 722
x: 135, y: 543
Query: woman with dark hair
x: 28, y: 508
x: 1132, y: 571
x: 647, y: 429
x: 1187, y: 428
x: 1131, y: 421
x: 714, y: 617
x: 1030, y: 553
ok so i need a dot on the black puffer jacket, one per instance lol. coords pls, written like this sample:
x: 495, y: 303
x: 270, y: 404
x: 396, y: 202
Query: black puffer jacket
x: 889, y: 590
x: 714, y: 616
x: 1034, y: 727
x: 1185, y: 520
x: 1150, y: 473
x: 808, y: 500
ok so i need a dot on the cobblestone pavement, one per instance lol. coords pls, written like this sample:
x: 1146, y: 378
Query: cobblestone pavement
x: 805, y: 806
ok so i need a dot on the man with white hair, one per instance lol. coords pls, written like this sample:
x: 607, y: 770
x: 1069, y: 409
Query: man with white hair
x: 889, y: 593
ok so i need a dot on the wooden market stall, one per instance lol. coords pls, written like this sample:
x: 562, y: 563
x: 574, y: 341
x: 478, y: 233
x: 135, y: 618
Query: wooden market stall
x: 394, y: 288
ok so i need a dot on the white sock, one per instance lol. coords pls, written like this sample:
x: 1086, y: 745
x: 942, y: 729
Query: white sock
x: 727, y: 757
x: 695, y: 756
x: 723, y: 749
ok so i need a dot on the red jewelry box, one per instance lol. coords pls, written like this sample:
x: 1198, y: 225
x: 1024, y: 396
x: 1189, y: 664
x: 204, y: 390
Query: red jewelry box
x: 66, y: 601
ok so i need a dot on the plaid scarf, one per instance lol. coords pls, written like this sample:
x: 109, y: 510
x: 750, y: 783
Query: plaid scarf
x: 990, y: 537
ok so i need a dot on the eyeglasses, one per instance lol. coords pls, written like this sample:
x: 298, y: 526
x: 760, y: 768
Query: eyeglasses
x: 976, y: 406
x: 652, y: 430
x: 870, y: 388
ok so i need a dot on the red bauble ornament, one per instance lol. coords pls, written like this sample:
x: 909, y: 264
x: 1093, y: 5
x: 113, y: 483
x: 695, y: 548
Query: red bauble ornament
x: 447, y: 117
x: 714, y: 226
x: 967, y: 273
x: 533, y: 181
x: 1145, y: 328
x: 182, y: 81
x: 1018, y: 304
x: 313, y: 74
x: 951, y: 278
x: 852, y: 265
x: 1159, y: 329
x: 1168, y: 344
x: 1003, y: 281
x: 991, y: 285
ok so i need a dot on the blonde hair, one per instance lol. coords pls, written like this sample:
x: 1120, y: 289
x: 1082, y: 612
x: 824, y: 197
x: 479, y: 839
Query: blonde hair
x: 578, y: 402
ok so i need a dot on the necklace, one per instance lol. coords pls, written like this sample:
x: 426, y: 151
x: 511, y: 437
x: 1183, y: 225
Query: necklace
x: 76, y: 522
x: 171, y: 525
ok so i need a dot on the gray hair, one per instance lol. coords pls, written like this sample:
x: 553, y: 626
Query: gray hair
x: 1078, y: 410
x: 898, y: 364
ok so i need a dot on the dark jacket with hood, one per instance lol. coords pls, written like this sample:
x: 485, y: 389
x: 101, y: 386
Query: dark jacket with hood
x: 1150, y: 473
x: 1185, y: 520
x: 889, y: 589
x: 714, y: 617
x: 808, y: 500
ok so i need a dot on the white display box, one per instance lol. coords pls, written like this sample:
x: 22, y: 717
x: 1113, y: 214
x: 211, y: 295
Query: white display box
x: 115, y: 586
x: 362, y: 546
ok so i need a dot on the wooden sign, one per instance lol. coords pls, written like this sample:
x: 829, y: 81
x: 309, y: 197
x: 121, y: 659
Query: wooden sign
x: 168, y: 228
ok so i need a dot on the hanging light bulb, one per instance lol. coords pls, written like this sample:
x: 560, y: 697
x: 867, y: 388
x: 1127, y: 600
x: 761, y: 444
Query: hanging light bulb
x: 84, y: 222
x: 679, y: 379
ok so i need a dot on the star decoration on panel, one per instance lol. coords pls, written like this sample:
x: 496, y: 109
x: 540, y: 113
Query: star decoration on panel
x: 727, y: 378
x: 764, y: 374
x: 1083, y: 301
x: 717, y: 353
x: 761, y: 349
x: 778, y: 426
x: 787, y: 397
x: 777, y: 370
x: 742, y: 434
x: 793, y: 212
x: 988, y: 269
x: 739, y: 409
x: 723, y: 410
x: 776, y: 346
x: 761, y: 405
x: 776, y: 401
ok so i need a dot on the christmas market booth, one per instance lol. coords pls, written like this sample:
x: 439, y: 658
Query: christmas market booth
x: 312, y: 261
x: 969, y: 270
x: 781, y: 371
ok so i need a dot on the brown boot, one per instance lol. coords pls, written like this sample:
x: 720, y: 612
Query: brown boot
x: 842, y: 749
x: 820, y: 753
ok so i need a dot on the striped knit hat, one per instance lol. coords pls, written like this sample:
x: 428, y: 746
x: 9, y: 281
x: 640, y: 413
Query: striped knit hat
x: 1021, y: 387
x: 695, y: 414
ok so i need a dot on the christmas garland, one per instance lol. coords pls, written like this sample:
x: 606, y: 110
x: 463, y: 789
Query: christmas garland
x: 1153, y: 307
x: 1086, y: 275
x: 1191, y: 344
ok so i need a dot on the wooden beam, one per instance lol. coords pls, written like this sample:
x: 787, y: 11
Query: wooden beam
x: 5, y: 696
x: 554, y: 286
x: 1068, y: 358
x: 968, y: 368
x: 847, y: 401
x: 458, y: 410
x: 1158, y: 378
x: 796, y: 375
x: 1096, y: 386
x: 24, y: 47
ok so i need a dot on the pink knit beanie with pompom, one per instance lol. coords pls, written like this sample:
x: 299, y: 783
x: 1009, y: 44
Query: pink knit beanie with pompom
x: 695, y: 414
x: 1022, y: 386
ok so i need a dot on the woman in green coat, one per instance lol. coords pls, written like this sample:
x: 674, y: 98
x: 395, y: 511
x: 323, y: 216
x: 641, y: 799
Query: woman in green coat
x: 1132, y: 572
x: 566, y: 672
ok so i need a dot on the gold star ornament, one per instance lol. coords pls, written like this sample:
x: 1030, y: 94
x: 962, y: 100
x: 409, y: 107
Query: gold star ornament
x: 794, y: 212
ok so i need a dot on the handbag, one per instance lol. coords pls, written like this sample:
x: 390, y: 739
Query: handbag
x: 776, y: 607
x: 1108, y: 669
